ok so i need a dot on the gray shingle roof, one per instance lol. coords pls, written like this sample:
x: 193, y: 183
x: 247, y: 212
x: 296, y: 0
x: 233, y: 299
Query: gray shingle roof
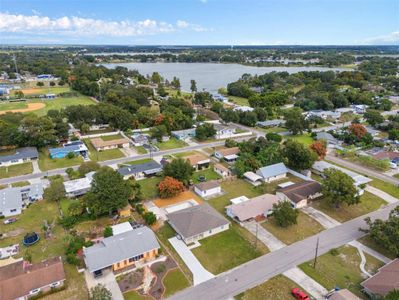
x: 204, y: 186
x: 21, y: 153
x: 194, y: 220
x: 10, y: 198
x: 326, y: 136
x: 120, y: 247
x: 272, y: 170
x: 149, y: 168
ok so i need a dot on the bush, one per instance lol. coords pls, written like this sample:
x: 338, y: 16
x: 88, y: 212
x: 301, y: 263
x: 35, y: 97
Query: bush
x: 150, y: 218
x: 275, y: 137
x: 108, y: 232
x: 334, y: 251
x: 70, y: 155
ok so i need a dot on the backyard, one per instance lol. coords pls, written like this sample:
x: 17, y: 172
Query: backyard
x: 149, y: 187
x: 47, y: 163
x: 340, y: 268
x: 16, y: 170
x: 208, y: 174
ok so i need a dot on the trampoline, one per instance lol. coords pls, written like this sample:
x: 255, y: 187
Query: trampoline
x: 31, y: 239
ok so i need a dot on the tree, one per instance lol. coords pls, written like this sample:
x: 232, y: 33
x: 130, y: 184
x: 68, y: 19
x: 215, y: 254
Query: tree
x: 339, y: 188
x: 52, y: 83
x: 373, y: 117
x: 386, y: 233
x: 87, y: 167
x: 70, y: 155
x: 108, y: 231
x: 176, y: 83
x: 179, y: 169
x: 205, y: 131
x: 357, y: 130
x: 157, y: 132
x: 40, y: 83
x: 193, y: 86
x: 170, y: 187
x: 394, y: 134
x: 108, y: 193
x: 319, y: 148
x: 75, y: 209
x: 55, y: 192
x: 19, y: 94
x: 203, y: 98
x: 150, y: 218
x: 284, y: 214
x: 295, y: 121
x: 156, y: 78
x: 273, y: 136
x: 85, y: 128
x: 298, y: 156
x: 100, y: 292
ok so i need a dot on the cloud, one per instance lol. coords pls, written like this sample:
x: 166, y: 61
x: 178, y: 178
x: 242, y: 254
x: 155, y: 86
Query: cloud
x: 78, y: 26
x: 391, y: 38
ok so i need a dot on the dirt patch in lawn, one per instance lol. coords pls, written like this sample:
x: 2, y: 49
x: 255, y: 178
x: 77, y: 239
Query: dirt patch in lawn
x: 31, y: 107
x: 160, y: 269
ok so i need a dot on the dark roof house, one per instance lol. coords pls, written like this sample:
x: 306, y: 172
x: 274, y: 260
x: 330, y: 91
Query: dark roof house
x: 302, y: 190
x: 386, y: 280
x: 21, y: 153
x: 147, y: 168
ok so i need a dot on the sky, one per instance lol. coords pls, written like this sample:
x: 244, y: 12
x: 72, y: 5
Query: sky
x: 200, y: 22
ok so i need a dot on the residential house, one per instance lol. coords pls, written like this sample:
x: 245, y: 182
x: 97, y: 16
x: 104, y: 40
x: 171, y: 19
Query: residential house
x: 50, y: 96
x: 359, y: 108
x: 78, y: 148
x: 183, y: 134
x: 224, y: 131
x: 343, y: 294
x: 198, y: 162
x: 120, y: 251
x: 270, y: 123
x: 253, y: 178
x: 359, y: 180
x: 242, y: 108
x: 78, y: 187
x: 219, y: 97
x: 140, y: 139
x: 273, y: 172
x: 96, y: 127
x: 324, y: 114
x: 14, y: 199
x: 393, y: 156
x: 100, y: 145
x: 386, y: 280
x: 140, y: 171
x: 197, y: 222
x: 326, y: 137
x: 22, y: 280
x: 299, y: 194
x: 208, y: 188
x: 20, y: 156
x: 227, y: 154
x: 222, y: 170
x: 258, y: 207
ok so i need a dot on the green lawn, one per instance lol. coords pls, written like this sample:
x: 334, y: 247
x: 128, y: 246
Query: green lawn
x: 341, y: 270
x: 140, y: 150
x: 396, y: 175
x: 305, y: 138
x: 133, y: 295
x: 174, y: 281
x: 112, y: 137
x: 12, y: 105
x: 16, y: 170
x: 47, y: 90
x: 47, y: 163
x: 140, y: 161
x: 385, y: 186
x: 368, y: 203
x: 102, y: 155
x: 305, y: 227
x: 239, y: 100
x: 184, y: 154
x: 278, y: 287
x: 272, y: 129
x: 369, y: 242
x: 64, y: 204
x: 209, y: 174
x: 173, y: 143
x: 149, y: 187
x: 20, y: 183
x: 224, y: 251
x: 60, y: 103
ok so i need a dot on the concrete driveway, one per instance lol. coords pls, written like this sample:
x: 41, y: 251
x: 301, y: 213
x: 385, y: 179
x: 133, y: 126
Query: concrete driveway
x: 313, y: 287
x: 200, y: 274
x: 108, y: 280
x: 264, y: 236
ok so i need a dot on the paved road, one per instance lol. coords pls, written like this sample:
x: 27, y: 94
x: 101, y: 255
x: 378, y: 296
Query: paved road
x: 363, y: 170
x: 257, y: 271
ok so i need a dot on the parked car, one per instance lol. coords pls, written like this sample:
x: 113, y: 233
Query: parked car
x: 11, y: 220
x: 298, y: 294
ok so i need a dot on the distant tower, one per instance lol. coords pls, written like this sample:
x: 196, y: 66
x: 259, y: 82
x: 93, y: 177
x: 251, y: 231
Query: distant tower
x: 15, y: 63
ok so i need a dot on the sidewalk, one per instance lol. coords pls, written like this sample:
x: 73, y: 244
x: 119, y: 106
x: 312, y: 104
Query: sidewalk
x: 384, y: 196
x: 264, y: 236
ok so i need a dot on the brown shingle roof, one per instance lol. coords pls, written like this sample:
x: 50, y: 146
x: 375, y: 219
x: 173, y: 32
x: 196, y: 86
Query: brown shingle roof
x: 386, y: 280
x: 15, y: 281
x: 302, y: 190
x: 221, y: 168
x: 386, y: 154
x: 196, y: 158
x: 253, y: 207
x: 204, y: 186
x: 343, y: 295
x: 98, y: 142
x: 229, y: 151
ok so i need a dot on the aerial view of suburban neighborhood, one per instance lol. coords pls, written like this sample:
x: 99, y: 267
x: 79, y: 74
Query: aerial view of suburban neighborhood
x: 199, y: 150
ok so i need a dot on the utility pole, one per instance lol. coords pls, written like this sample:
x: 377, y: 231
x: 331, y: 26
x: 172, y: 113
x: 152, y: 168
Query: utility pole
x: 315, y: 256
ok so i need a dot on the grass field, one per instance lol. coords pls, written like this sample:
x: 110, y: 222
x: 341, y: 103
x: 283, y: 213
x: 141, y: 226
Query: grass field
x: 43, y: 90
x: 341, y: 269
x: 102, y: 155
x: 174, y: 281
x: 209, y: 174
x: 278, y: 287
x: 16, y: 170
x: 305, y: 227
x: 173, y: 143
x: 149, y: 187
x: 133, y: 295
x: 385, y: 186
x: 140, y: 150
x: 239, y: 100
x: 46, y: 163
x: 235, y: 251
x: 20, y: 183
x: 12, y: 105
x: 368, y: 203
x: 112, y: 137
x: 140, y: 161
x: 305, y: 138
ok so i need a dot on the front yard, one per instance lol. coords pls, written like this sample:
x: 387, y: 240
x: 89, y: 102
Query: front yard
x: 368, y: 203
x: 171, y: 144
x: 340, y: 267
x: 16, y: 170
x: 305, y: 227
x: 46, y: 163
x: 103, y: 155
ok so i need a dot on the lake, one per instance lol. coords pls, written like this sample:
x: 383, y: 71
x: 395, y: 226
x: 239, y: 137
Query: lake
x: 209, y: 76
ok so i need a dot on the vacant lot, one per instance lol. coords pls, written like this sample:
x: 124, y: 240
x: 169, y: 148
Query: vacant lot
x: 341, y: 269
x: 305, y: 227
x: 47, y: 163
x: 368, y: 203
x: 305, y: 138
x: 112, y: 137
x: 16, y: 170
x: 239, y: 100
x: 173, y: 143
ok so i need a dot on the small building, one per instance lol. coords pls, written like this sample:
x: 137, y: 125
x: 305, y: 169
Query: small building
x: 140, y: 171
x: 77, y: 148
x: 359, y: 108
x: 14, y: 199
x: 386, y: 280
x: 184, y: 134
x: 198, y: 162
x: 253, y: 178
x: 20, y: 156
x: 78, y: 187
x: 272, y: 172
x: 243, y: 108
x: 121, y: 228
x: 324, y: 114
x: 254, y: 208
x: 222, y: 170
x: 140, y: 139
x: 208, y: 188
x: 270, y: 123
x: 125, y: 250
x: 197, y: 222
x: 22, y: 280
x: 228, y: 154
x: 299, y: 194
x: 325, y: 136
x: 97, y: 127
x: 50, y: 96
x: 343, y: 294
x: 224, y: 131
x: 100, y: 145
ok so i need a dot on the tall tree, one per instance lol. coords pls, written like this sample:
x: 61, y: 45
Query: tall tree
x: 205, y: 131
x: 179, y: 169
x: 55, y: 192
x: 170, y: 187
x: 373, y: 117
x: 295, y: 121
x: 319, y: 147
x: 193, y: 86
x: 284, y: 214
x: 298, y: 156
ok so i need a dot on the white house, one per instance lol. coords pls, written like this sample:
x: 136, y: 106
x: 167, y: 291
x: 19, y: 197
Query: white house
x: 224, y: 131
x: 208, y: 188
x: 78, y: 187
x: 222, y: 170
x: 13, y: 200
x: 228, y: 154
x: 273, y: 172
x: 359, y: 108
